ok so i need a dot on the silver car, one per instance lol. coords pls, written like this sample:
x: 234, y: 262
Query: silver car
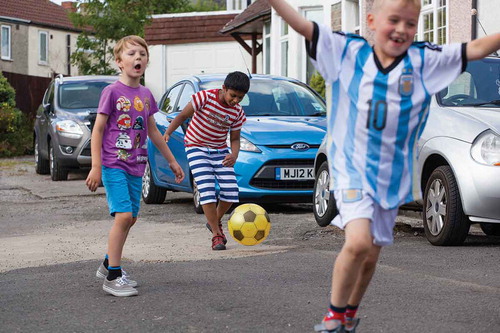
x: 458, y: 159
x: 63, y: 124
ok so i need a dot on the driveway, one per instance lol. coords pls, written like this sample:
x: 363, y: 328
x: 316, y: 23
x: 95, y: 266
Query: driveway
x: 53, y: 236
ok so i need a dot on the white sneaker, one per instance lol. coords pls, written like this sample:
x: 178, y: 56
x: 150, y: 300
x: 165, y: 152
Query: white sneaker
x: 102, y: 272
x: 119, y: 287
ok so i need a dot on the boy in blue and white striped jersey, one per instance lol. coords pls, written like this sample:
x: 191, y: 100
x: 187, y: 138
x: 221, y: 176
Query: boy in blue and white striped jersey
x: 378, y: 108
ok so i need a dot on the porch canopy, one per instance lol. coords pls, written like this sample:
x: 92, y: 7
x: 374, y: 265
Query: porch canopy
x: 249, y: 22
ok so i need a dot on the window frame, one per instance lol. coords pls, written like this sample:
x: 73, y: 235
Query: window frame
x: 40, y: 60
x: 434, y: 8
x: 9, y: 46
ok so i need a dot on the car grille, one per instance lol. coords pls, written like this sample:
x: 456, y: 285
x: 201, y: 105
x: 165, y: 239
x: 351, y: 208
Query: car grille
x: 265, y: 177
x: 288, y: 146
x: 86, y: 150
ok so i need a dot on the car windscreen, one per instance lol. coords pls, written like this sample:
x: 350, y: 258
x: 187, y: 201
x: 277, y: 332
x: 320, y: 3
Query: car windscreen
x: 478, y: 85
x: 80, y: 95
x: 277, y: 98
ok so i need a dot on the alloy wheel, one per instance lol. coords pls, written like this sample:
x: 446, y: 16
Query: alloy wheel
x: 322, y: 193
x: 436, y: 207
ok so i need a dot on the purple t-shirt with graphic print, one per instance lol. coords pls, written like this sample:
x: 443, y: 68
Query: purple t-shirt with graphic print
x: 124, y: 138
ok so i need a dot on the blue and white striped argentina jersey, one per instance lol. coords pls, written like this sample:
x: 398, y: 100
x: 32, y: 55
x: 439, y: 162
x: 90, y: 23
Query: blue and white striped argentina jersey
x: 376, y: 114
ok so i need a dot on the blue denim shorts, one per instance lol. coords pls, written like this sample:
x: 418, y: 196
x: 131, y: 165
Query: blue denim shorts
x: 123, y: 191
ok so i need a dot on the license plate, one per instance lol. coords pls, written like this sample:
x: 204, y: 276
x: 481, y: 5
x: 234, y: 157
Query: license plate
x: 294, y: 173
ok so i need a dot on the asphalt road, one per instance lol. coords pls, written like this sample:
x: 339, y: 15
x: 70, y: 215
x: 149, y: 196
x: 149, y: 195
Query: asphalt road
x: 53, y: 236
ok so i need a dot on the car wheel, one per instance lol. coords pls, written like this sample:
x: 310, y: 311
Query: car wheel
x: 56, y: 172
x: 196, y: 200
x: 151, y: 193
x: 444, y: 220
x: 42, y: 166
x: 491, y: 229
x: 324, y: 206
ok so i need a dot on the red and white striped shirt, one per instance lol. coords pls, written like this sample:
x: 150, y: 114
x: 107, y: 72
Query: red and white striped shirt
x: 212, y: 121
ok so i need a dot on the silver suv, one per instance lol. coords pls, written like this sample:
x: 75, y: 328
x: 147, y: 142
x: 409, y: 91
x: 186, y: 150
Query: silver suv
x: 63, y: 124
x: 458, y: 159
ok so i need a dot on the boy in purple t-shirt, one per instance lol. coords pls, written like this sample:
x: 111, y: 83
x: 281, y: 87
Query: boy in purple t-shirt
x: 124, y: 121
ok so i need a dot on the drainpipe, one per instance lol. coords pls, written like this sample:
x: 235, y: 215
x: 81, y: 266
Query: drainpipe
x: 473, y: 29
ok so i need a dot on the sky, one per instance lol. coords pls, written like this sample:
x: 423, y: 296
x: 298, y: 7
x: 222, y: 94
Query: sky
x: 57, y: 1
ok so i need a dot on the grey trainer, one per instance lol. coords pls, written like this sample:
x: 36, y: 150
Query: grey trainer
x: 351, y: 324
x: 102, y: 272
x: 321, y: 328
x: 119, y: 287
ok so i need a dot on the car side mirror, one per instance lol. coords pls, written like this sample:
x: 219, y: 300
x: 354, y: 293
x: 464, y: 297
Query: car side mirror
x: 47, y: 108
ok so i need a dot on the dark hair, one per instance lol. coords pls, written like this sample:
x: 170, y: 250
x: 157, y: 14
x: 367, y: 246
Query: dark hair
x: 237, y: 81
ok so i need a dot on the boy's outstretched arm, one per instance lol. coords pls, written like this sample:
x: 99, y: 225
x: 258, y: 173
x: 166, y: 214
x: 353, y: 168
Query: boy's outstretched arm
x: 155, y: 136
x: 293, y: 18
x: 482, y: 47
x: 186, y: 113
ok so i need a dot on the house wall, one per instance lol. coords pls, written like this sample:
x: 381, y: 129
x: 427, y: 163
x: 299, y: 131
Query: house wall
x: 57, y: 61
x: 490, y: 22
x: 459, y: 21
x: 19, y: 49
x: 170, y: 63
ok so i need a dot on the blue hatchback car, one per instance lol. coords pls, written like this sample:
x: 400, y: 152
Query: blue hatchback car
x: 286, y: 122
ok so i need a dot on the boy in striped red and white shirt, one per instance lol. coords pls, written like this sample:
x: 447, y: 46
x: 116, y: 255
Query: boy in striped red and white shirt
x: 215, y: 113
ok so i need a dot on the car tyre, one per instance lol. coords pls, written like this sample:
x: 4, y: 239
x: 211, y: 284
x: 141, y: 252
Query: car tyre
x: 151, y: 193
x: 491, y: 229
x: 324, y: 206
x: 444, y: 220
x: 56, y: 171
x: 198, y: 208
x: 42, y: 166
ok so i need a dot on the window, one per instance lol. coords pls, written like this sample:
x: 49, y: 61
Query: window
x: 284, y: 47
x: 433, y: 23
x: 267, y: 47
x: 312, y: 14
x: 168, y: 101
x: 43, y: 47
x: 6, y: 42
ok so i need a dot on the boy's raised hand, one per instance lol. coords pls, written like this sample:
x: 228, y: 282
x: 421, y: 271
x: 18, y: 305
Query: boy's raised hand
x: 93, y: 179
x: 179, y: 174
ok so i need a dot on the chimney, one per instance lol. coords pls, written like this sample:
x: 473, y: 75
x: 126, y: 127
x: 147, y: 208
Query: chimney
x: 70, y: 6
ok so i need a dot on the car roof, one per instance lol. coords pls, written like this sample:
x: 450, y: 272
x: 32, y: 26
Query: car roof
x: 85, y: 78
x: 201, y: 78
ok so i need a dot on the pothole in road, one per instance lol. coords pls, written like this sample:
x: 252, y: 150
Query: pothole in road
x: 16, y: 195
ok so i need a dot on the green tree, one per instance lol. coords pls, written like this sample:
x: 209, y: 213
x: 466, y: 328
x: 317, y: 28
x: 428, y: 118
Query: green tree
x: 16, y: 136
x: 318, y: 83
x: 105, y: 22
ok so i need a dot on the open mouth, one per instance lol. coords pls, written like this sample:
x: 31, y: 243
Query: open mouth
x: 398, y: 40
x: 138, y: 66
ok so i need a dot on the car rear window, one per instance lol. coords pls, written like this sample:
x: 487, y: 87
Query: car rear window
x: 80, y: 95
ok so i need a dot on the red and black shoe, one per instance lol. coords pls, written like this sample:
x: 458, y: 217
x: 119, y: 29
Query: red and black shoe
x: 220, y: 230
x: 218, y: 243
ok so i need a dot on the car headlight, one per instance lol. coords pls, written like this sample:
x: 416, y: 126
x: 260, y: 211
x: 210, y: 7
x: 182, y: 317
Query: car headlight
x: 246, y: 145
x: 69, y: 129
x: 486, y: 148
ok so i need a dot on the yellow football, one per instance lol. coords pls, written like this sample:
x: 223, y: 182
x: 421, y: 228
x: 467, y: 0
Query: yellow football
x: 249, y: 224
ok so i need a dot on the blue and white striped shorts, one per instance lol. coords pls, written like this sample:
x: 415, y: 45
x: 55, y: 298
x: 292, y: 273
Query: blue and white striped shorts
x: 206, y: 166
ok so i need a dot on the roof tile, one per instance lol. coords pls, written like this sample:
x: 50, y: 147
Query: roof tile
x: 43, y: 12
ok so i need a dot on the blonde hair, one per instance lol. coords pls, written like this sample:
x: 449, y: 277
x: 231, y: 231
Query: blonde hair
x: 377, y: 4
x: 132, y: 39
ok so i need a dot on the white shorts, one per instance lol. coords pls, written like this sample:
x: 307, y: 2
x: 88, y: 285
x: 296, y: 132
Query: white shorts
x: 356, y: 204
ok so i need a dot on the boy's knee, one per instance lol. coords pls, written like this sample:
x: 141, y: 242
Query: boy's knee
x: 125, y: 219
x: 359, y: 247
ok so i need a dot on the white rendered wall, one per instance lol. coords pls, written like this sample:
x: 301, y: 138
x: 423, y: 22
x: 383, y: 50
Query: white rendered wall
x: 170, y: 63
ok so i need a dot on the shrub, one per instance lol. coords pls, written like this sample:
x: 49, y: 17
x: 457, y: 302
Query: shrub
x: 16, y: 134
x: 318, y: 83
